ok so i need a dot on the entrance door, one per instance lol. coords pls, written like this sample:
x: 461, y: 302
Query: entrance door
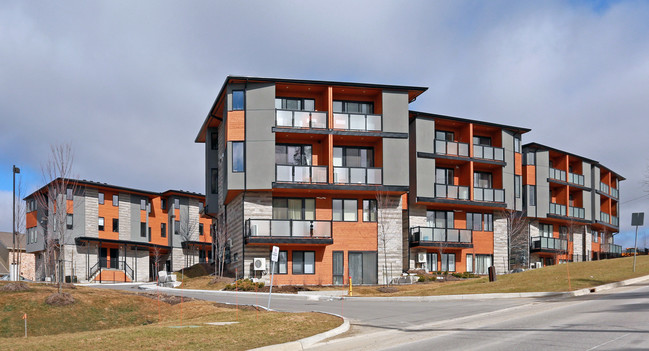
x: 362, y: 267
x: 114, y: 258
x: 338, y: 268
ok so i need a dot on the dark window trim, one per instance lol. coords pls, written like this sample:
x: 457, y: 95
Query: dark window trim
x: 101, y: 228
x: 343, y: 210
x: 303, y: 265
x: 101, y: 198
x: 115, y: 227
x: 214, y: 140
x: 371, y: 103
x: 163, y: 230
x: 115, y: 203
x: 143, y: 232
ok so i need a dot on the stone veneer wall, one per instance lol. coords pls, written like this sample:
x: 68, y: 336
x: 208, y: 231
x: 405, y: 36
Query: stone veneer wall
x: 417, y: 219
x: 125, y: 216
x: 234, y: 228
x: 91, y: 208
x: 390, y: 244
x: 501, y: 257
x: 27, y: 265
x: 256, y: 205
x: 139, y: 262
x: 589, y: 244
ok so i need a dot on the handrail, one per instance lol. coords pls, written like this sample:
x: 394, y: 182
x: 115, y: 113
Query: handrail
x: 448, y: 191
x: 301, y: 119
x: 453, y: 148
x: 301, y: 174
x: 488, y: 152
x: 488, y: 194
x: 453, y: 235
x: 290, y: 228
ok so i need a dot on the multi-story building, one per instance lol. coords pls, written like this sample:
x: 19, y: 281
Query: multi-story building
x: 114, y: 233
x: 319, y: 169
x: 572, y: 205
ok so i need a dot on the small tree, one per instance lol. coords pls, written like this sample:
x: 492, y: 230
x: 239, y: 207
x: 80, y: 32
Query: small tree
x: 518, y: 241
x: 188, y: 231
x: 20, y: 220
x: 383, y: 202
x: 220, y: 237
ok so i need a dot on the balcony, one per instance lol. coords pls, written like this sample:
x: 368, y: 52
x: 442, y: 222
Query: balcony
x: 576, y: 179
x: 615, y: 193
x: 548, y: 244
x: 615, y: 221
x: 558, y: 209
x: 603, y: 188
x: 301, y: 119
x: 488, y: 194
x: 557, y: 174
x: 488, y: 152
x: 358, y: 175
x: 451, y: 237
x: 452, y: 148
x: 578, y: 212
x: 269, y: 231
x: 456, y: 192
x: 612, y: 249
x: 604, y: 217
x: 353, y: 121
x: 301, y: 174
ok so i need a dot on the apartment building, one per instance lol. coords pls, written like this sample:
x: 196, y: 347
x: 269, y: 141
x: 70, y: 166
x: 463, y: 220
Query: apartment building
x: 113, y: 233
x: 572, y: 203
x: 318, y: 169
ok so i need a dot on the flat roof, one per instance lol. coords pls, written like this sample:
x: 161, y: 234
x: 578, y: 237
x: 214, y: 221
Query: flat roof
x: 549, y: 148
x: 475, y: 121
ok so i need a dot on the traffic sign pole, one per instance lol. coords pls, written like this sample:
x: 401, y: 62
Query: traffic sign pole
x: 273, y: 258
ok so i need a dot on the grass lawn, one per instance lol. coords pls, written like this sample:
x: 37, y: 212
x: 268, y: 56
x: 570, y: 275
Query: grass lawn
x: 113, y: 320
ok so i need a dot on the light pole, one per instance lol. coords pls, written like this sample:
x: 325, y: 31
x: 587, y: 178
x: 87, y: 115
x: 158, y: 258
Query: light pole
x: 14, y: 266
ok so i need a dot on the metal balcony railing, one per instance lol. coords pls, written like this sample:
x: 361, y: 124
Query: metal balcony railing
x: 488, y: 194
x: 615, y: 193
x: 452, y: 191
x: 578, y: 212
x: 604, y: 217
x: 288, y: 228
x: 301, y: 174
x: 557, y: 174
x: 558, y: 209
x: 442, y: 235
x: 615, y: 221
x: 489, y: 152
x: 603, y: 188
x: 358, y: 175
x: 576, y: 179
x: 544, y: 243
x: 443, y: 147
x: 612, y: 248
x: 301, y: 119
x: 353, y: 121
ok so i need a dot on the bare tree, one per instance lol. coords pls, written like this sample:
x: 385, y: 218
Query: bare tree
x: 20, y: 220
x: 382, y: 204
x: 188, y: 231
x: 518, y: 241
x: 157, y: 258
x: 220, y: 237
x: 56, y: 200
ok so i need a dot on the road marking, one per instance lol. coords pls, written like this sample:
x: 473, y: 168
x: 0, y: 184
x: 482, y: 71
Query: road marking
x: 608, y: 342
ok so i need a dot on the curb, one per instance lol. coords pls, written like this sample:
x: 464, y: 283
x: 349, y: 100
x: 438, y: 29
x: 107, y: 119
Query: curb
x: 311, y: 340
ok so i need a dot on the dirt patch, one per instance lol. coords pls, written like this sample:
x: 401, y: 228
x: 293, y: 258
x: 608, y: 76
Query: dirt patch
x: 62, y: 299
x: 68, y: 286
x: 387, y: 289
x: 15, y: 287
x: 286, y: 289
x: 217, y: 280
x: 168, y: 299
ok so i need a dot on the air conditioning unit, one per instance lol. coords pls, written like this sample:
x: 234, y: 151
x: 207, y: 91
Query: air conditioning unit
x: 259, y: 264
x: 421, y: 257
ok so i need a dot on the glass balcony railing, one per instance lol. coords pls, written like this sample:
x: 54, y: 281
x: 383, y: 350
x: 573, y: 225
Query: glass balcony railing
x: 545, y: 243
x: 301, y: 119
x: 576, y: 178
x: 452, y: 191
x: 489, y: 152
x: 578, y: 212
x: 603, y: 188
x: 288, y: 228
x: 615, y: 221
x: 488, y: 194
x: 615, y: 193
x: 558, y: 209
x: 558, y: 174
x: 301, y: 174
x: 442, y: 235
x: 443, y: 147
x: 357, y: 175
x: 352, y: 121
x: 604, y: 217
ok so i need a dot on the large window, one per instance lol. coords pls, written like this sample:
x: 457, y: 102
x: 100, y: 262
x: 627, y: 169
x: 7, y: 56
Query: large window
x: 479, y: 221
x: 295, y: 104
x: 353, y: 157
x: 345, y: 210
x: 469, y: 262
x: 298, y: 155
x: 338, y: 268
x: 444, y: 135
x: 143, y: 229
x: 546, y: 230
x: 440, y: 219
x: 237, y: 100
x: 365, y: 108
x: 595, y: 236
x: 444, y: 176
x: 281, y: 267
x: 303, y: 262
x: 482, y: 264
x: 100, y: 224
x: 142, y: 204
x: 531, y: 195
x: 517, y: 143
x: 481, y: 140
x: 176, y: 227
x: 115, y: 225
x: 238, y: 160
x: 100, y: 198
x: 530, y: 158
x: 482, y: 179
x: 297, y: 209
x: 369, y: 211
x: 448, y: 262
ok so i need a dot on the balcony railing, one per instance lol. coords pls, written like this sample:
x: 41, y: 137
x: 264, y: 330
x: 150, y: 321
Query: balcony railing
x: 558, y: 174
x: 442, y: 235
x: 301, y: 119
x: 604, y: 217
x: 545, y: 243
x: 489, y: 152
x: 615, y: 193
x: 578, y: 212
x: 558, y: 209
x: 452, y: 191
x: 576, y: 178
x: 488, y: 194
x: 615, y: 221
x: 301, y: 174
x: 357, y: 175
x: 612, y: 249
x: 603, y: 188
x: 288, y: 228
x: 352, y: 121
x: 443, y: 147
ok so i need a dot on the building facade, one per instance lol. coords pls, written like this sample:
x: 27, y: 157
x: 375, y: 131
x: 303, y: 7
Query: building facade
x: 114, y: 233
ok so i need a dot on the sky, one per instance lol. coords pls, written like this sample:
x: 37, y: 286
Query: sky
x: 128, y: 84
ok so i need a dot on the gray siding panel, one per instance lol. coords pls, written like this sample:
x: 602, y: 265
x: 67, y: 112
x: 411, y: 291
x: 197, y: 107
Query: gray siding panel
x: 425, y: 135
x: 260, y: 140
x: 425, y: 177
x: 395, y: 111
x: 508, y: 170
x: 542, y: 185
x: 211, y: 161
x: 395, y: 164
x: 236, y: 180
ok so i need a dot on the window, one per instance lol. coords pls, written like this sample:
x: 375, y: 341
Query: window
x: 297, y: 209
x: 100, y: 223
x: 295, y: 104
x: 116, y: 200
x: 353, y: 107
x: 238, y: 164
x: 369, y: 211
x: 68, y: 194
x: 530, y: 158
x: 431, y: 262
x: 469, y: 262
x: 517, y: 186
x: 440, y: 219
x: 338, y: 268
x: 176, y: 203
x: 448, y: 262
x: 481, y: 140
x: 176, y: 227
x: 444, y: 176
x: 200, y: 228
x: 517, y: 143
x: 237, y: 100
x: 474, y: 221
x: 531, y: 195
x: 482, y: 179
x: 298, y: 155
x: 345, y: 210
x: 214, y: 141
x: 115, y: 225
x: 488, y: 220
x: 281, y: 267
x: 68, y: 221
x: 303, y: 262
x: 143, y: 229
x: 142, y: 204
x: 100, y: 198
x: 482, y: 264
x: 201, y: 208
x: 563, y: 233
x: 595, y: 236
x: 353, y: 157
x: 214, y: 181
x: 444, y: 135
x: 546, y: 230
x: 163, y: 204
x: 163, y: 230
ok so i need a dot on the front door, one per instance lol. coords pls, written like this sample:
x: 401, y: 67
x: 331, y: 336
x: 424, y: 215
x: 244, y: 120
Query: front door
x: 362, y: 267
x: 103, y: 257
x: 114, y: 258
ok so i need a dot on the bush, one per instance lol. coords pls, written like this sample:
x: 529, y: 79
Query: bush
x: 244, y: 285
x: 421, y: 279
x: 465, y: 275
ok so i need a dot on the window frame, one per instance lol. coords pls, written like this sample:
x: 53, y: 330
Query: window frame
x: 238, y: 157
x: 143, y: 230
x: 282, y: 100
x: 163, y: 230
x: 344, y: 107
x: 304, y: 263
x: 517, y: 186
x: 444, y: 135
x: 69, y: 221
x: 214, y: 140
x: 115, y: 200
x: 143, y: 203
x: 370, y: 210
x: 100, y: 198
x: 236, y: 104
x: 344, y: 157
x: 176, y: 227
x: 543, y: 230
x: 214, y: 181
x: 445, y: 261
x: 200, y: 229
x: 303, y: 212
x: 276, y: 267
x: 115, y: 225
x: 343, y: 212
x: 101, y: 224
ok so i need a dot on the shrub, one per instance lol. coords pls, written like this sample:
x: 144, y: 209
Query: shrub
x: 421, y: 279
x: 244, y: 285
x: 465, y: 275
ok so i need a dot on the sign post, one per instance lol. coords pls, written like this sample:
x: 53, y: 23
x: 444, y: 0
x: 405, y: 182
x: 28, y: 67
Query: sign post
x: 25, y: 318
x: 273, y: 258
x: 637, y: 219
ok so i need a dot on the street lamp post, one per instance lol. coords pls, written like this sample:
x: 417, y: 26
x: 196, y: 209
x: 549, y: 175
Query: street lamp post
x: 14, y: 267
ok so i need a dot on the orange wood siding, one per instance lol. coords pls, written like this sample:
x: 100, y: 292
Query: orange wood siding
x: 529, y: 175
x: 236, y: 126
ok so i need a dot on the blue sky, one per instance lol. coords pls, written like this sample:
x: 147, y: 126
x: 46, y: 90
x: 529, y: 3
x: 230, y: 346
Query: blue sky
x: 128, y: 84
